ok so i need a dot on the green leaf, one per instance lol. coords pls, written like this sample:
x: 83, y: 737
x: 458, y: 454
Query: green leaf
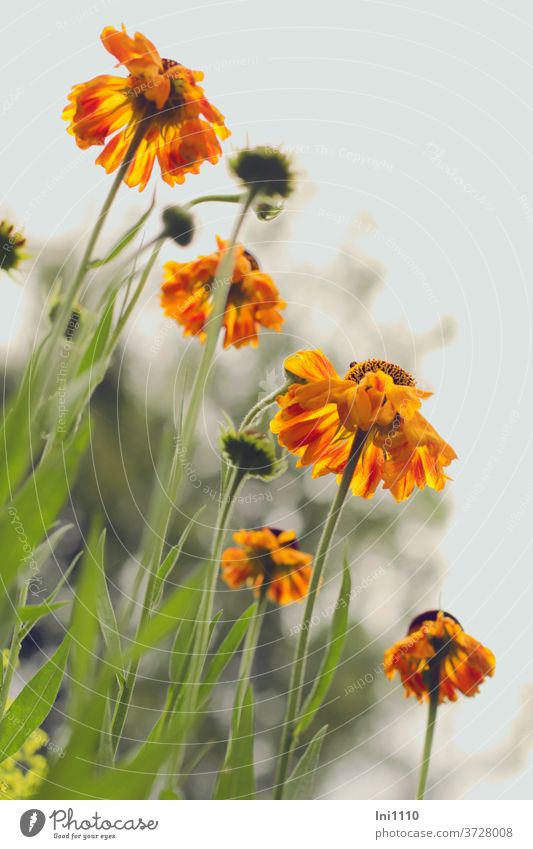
x: 85, y: 630
x: 225, y: 653
x: 300, y: 783
x: 181, y: 650
x: 332, y: 657
x: 19, y: 435
x: 33, y: 703
x: 171, y: 559
x: 104, y: 606
x: 35, y: 508
x: 236, y: 779
x: 170, y: 614
x: 124, y: 241
x: 31, y: 613
x: 99, y: 336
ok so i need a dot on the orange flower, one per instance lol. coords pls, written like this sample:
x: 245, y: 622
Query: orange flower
x: 253, y: 298
x: 268, y: 557
x: 159, y: 93
x: 436, y: 639
x: 321, y: 412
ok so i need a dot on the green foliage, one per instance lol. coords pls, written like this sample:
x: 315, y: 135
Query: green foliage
x: 300, y: 783
x: 124, y: 240
x: 33, y: 703
x: 332, y: 656
x: 236, y: 779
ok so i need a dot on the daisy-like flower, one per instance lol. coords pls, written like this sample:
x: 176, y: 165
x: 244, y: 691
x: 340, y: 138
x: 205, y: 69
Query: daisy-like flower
x: 268, y: 558
x: 437, y: 648
x: 182, y: 128
x: 253, y: 298
x: 321, y: 413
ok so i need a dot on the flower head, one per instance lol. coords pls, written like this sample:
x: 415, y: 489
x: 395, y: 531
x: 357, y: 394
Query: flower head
x: 181, y: 127
x: 265, y: 170
x: 251, y: 452
x: 271, y: 559
x: 253, y: 298
x: 436, y: 644
x: 321, y: 412
x: 11, y: 247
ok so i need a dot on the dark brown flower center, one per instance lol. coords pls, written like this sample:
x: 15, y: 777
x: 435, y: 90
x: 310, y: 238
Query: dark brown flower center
x: 429, y: 616
x: 358, y: 370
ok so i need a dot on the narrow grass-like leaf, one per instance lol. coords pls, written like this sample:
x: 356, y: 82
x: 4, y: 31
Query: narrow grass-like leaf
x: 124, y: 240
x: 104, y: 606
x: 333, y: 654
x: 29, y: 614
x: 33, y: 703
x: 171, y: 559
x: 225, y: 652
x: 301, y: 781
x: 98, y: 340
x: 236, y: 779
x: 37, y: 504
x: 166, y: 619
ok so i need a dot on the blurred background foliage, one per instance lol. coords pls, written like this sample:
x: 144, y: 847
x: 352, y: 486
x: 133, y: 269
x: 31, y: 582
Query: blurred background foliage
x: 331, y: 308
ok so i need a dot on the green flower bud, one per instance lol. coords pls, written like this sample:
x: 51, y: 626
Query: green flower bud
x: 265, y: 170
x: 251, y: 452
x: 178, y: 224
x: 11, y: 247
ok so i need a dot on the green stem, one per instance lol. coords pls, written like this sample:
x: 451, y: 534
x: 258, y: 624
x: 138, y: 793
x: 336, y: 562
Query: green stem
x: 14, y: 651
x: 298, y: 668
x: 262, y: 404
x: 215, y: 199
x: 128, y: 309
x: 204, y: 616
x: 221, y: 285
x: 430, y: 729
x: 250, y: 646
x: 66, y: 306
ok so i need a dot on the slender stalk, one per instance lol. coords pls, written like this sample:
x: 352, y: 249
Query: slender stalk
x: 430, y: 729
x: 14, y: 651
x: 204, y: 616
x: 262, y: 404
x: 65, y: 308
x: 221, y: 287
x: 128, y: 309
x: 250, y: 646
x: 214, y: 199
x: 298, y: 668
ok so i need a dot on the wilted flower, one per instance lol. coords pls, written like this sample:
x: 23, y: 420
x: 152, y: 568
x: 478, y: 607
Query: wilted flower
x: 268, y: 558
x: 253, y: 299
x: 321, y: 413
x: 436, y: 647
x: 181, y: 127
